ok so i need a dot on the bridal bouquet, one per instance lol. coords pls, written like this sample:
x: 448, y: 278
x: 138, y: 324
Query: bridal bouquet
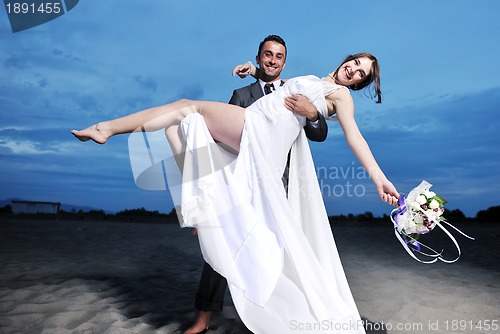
x: 418, y: 214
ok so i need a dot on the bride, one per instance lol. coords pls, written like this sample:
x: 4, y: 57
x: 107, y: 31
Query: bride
x: 275, y: 249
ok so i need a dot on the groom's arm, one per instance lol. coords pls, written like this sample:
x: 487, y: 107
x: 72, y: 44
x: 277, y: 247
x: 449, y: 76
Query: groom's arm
x: 235, y: 99
x: 317, y: 130
x: 241, y: 97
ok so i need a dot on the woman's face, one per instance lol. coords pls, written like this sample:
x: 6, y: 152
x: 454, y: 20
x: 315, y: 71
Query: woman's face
x: 354, y: 71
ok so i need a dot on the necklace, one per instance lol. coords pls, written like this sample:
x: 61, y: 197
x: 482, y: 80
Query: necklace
x: 330, y: 75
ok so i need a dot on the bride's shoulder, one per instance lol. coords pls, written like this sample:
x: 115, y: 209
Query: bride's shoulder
x: 338, y: 94
x: 330, y: 87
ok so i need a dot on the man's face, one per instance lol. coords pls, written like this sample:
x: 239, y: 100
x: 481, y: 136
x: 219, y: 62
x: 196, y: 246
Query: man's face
x: 271, y: 60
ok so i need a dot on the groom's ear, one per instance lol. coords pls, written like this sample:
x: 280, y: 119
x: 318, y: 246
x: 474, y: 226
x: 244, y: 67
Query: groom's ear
x: 257, y: 60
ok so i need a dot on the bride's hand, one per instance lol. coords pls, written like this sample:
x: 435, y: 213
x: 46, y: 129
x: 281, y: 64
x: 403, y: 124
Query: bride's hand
x: 244, y: 70
x: 387, y: 192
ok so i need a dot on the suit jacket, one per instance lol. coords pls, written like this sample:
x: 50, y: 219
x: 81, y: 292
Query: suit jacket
x: 247, y: 95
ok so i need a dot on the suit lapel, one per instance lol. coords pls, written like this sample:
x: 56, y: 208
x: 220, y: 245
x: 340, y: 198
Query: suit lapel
x: 255, y: 91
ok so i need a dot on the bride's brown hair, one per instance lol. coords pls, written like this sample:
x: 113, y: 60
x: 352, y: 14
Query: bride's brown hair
x: 372, y: 78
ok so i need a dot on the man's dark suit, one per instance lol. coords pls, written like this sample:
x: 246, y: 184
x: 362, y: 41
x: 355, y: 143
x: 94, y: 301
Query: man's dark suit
x: 210, y: 296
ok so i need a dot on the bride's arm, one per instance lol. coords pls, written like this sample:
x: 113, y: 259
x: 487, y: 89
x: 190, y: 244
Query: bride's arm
x: 246, y: 69
x: 344, y: 107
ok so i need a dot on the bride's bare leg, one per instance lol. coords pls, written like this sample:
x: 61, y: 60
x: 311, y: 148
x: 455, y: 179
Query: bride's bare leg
x: 224, y: 121
x: 156, y: 118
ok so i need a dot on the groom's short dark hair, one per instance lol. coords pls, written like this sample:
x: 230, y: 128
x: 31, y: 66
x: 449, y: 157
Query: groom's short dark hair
x: 272, y: 38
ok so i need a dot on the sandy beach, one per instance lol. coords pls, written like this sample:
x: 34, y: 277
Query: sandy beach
x: 61, y: 277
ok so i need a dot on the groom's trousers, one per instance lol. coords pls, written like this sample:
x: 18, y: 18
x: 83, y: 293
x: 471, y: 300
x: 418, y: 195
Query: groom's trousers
x: 211, y: 291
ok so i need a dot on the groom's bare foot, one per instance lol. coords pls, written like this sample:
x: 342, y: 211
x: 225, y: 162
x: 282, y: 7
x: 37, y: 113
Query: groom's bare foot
x: 93, y: 132
x: 200, y: 324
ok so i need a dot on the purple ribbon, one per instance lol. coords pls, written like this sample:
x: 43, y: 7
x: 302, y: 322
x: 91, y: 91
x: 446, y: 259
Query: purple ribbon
x: 401, y: 210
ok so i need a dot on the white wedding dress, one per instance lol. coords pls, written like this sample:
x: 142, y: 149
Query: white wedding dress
x: 277, y: 253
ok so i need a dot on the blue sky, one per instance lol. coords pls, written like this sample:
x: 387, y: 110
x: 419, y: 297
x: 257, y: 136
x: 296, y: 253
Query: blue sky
x: 103, y: 59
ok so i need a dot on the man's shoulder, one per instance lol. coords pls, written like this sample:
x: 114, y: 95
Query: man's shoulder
x: 248, y: 87
x: 247, y: 95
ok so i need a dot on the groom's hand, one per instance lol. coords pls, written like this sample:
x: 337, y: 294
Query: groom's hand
x: 300, y: 105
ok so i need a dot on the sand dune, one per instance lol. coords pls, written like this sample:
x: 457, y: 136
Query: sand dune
x: 103, y: 277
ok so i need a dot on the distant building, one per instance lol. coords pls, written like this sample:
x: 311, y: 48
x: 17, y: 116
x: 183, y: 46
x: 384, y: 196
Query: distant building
x: 35, y: 207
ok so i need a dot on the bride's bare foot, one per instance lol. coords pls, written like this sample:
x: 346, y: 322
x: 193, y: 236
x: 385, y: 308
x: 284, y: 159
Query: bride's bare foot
x: 92, y: 132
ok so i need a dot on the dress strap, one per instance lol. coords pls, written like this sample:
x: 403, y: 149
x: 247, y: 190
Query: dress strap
x: 329, y: 88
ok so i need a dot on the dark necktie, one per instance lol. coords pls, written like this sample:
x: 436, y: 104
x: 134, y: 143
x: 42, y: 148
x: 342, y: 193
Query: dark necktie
x: 268, y: 88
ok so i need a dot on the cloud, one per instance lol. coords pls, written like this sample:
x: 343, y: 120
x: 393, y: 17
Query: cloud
x: 193, y: 92
x: 85, y: 102
x: 15, y: 62
x: 146, y: 83
x: 22, y: 146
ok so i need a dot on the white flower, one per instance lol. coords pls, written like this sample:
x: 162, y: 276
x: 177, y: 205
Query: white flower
x: 415, y: 206
x: 421, y: 229
x: 419, y: 224
x: 432, y: 216
x: 404, y: 221
x: 411, y: 223
x: 421, y: 199
x: 434, y: 204
x: 429, y: 194
x: 410, y: 227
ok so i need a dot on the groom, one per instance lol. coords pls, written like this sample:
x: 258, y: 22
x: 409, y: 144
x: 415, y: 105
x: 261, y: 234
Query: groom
x: 271, y: 60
